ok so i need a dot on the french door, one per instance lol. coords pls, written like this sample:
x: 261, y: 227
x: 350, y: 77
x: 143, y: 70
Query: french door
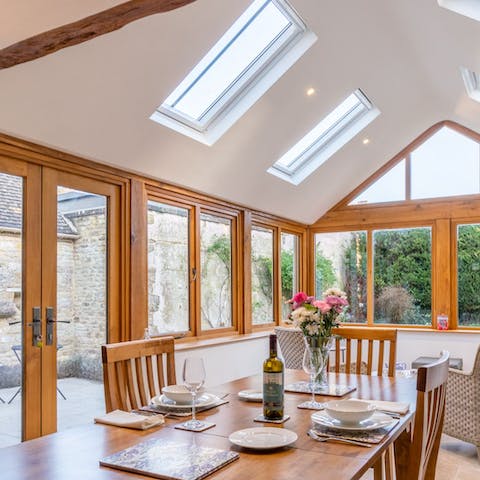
x: 60, y: 283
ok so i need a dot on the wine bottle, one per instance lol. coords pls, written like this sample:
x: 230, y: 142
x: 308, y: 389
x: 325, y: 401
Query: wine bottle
x: 273, y: 384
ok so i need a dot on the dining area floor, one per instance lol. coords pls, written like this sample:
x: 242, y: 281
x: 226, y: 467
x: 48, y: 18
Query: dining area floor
x: 457, y: 460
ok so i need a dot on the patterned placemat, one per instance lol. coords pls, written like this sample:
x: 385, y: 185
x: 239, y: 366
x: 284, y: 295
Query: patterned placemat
x: 364, y: 436
x: 331, y: 390
x: 167, y: 459
x: 180, y: 412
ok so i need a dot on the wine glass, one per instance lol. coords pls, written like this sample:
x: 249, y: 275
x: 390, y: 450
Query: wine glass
x: 193, y: 376
x: 312, y: 364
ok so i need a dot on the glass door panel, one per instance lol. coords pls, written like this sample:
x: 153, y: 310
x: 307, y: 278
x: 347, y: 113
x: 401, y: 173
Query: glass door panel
x: 81, y: 312
x: 20, y: 351
x: 11, y: 241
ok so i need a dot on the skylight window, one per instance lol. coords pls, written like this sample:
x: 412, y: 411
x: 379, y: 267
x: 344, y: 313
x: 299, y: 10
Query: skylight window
x: 267, y: 39
x: 468, y: 8
x: 472, y: 83
x: 326, y: 138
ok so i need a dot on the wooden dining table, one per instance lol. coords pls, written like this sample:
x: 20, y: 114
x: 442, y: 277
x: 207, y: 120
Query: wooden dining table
x: 75, y: 453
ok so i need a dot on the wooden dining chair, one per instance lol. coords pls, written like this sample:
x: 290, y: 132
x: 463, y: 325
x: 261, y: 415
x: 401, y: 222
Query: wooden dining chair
x: 416, y: 452
x: 365, y: 350
x: 136, y: 371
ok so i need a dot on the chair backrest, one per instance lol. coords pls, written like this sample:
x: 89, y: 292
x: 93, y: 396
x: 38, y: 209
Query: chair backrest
x: 291, y: 345
x: 421, y: 456
x: 375, y: 340
x: 136, y: 371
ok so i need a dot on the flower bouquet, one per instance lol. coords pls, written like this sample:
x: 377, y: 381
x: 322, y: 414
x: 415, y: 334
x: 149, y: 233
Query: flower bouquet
x: 316, y: 318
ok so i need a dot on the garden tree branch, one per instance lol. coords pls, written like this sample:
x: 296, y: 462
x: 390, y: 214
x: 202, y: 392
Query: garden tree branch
x: 83, y: 30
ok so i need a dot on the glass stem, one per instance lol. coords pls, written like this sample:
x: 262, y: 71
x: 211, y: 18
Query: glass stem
x: 312, y: 383
x: 194, y: 394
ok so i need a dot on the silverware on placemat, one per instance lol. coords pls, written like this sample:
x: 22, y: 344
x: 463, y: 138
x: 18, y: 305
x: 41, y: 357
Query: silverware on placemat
x: 325, y: 438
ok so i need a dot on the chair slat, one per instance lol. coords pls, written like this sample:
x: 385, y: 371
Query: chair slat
x: 370, y: 357
x: 358, y: 367
x: 381, y: 350
x: 161, y: 376
x: 141, y: 385
x: 130, y: 385
x: 150, y: 381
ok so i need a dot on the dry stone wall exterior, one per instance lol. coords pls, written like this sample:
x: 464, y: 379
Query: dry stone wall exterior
x: 81, y: 298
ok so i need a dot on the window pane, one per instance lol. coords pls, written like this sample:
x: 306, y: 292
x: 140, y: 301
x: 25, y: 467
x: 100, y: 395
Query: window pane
x: 388, y: 188
x: 447, y: 164
x: 212, y: 77
x: 289, y: 270
x: 341, y: 262
x: 216, y: 268
x: 262, y: 275
x: 468, y: 255
x: 402, y: 276
x: 168, y: 266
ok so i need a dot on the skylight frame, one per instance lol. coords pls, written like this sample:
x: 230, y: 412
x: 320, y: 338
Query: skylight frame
x: 255, y: 79
x: 294, y: 167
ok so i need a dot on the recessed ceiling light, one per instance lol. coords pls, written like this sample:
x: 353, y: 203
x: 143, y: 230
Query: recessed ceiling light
x: 366, y: 141
x: 310, y: 91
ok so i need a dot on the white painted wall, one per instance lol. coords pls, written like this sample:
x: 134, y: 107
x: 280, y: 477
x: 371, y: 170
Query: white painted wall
x: 239, y: 359
x: 227, y: 362
x: 412, y: 345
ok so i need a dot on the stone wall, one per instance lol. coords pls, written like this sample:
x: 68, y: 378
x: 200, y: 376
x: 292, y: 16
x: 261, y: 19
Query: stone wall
x: 81, y: 299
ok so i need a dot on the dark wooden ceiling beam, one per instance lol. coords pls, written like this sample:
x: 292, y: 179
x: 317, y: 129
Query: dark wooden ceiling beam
x: 85, y: 29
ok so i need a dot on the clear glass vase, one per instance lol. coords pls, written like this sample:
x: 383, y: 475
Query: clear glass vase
x: 319, y: 348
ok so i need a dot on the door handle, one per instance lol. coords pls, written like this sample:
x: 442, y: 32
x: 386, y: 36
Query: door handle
x: 36, y: 325
x: 50, y: 314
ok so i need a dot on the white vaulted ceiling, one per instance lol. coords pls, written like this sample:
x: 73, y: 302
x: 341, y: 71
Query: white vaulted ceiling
x: 95, y: 99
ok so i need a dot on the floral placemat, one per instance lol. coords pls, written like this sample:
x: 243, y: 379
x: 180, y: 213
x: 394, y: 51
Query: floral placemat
x: 171, y: 460
x: 364, y: 436
x: 331, y: 390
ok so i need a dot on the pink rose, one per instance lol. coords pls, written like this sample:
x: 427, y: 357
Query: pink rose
x: 300, y: 297
x: 336, y: 301
x: 323, y: 306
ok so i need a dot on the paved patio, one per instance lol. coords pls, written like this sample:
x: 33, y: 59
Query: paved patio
x: 84, y: 402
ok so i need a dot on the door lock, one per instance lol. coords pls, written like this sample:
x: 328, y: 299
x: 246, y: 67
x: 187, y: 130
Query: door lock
x: 36, y: 325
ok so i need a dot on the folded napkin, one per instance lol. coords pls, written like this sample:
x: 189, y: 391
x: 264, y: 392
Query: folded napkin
x: 392, y: 407
x: 120, y: 418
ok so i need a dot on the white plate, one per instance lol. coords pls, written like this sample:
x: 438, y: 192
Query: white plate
x: 204, y: 400
x: 377, y: 420
x: 251, y: 395
x: 263, y: 438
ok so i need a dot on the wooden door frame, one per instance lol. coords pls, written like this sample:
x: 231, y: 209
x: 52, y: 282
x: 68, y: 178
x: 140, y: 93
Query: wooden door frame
x: 31, y: 290
x: 51, y: 179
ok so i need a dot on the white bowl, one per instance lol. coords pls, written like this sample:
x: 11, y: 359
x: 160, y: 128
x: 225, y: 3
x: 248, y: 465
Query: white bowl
x: 350, y: 411
x: 179, y: 393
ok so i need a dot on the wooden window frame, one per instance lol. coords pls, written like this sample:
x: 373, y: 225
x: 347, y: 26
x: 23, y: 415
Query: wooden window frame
x: 441, y: 214
x: 278, y: 227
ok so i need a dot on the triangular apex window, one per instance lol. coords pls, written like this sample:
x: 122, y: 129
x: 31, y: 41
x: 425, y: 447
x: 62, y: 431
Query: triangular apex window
x: 447, y: 164
x: 267, y: 39
x: 325, y: 139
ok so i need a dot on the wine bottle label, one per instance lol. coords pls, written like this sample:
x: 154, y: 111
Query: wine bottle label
x: 273, y: 390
